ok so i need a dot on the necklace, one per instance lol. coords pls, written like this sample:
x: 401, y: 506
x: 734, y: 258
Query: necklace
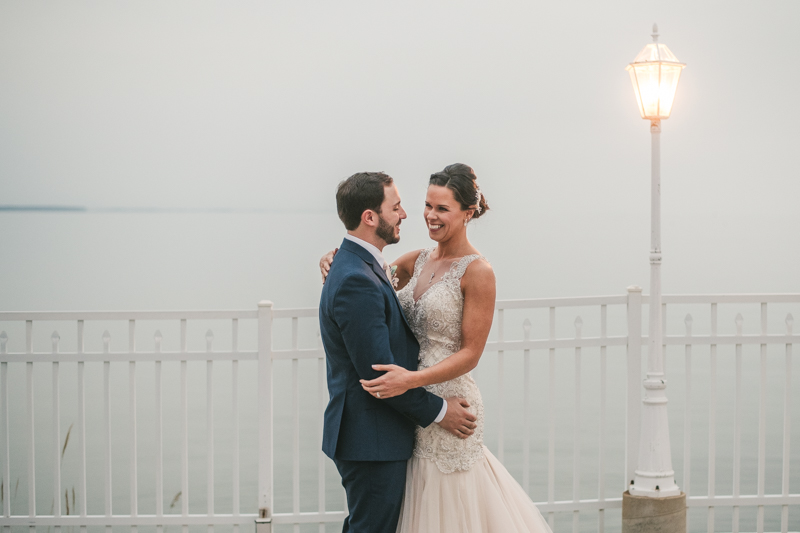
x: 435, y: 270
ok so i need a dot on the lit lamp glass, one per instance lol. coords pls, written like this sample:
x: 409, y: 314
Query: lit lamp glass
x: 654, y: 74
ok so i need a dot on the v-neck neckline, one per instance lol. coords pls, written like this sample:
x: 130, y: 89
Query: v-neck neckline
x: 432, y: 285
x: 426, y: 291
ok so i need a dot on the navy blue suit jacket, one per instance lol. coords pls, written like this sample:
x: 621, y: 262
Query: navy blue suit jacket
x: 362, y: 324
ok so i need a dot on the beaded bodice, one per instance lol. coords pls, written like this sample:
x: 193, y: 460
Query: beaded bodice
x: 435, y: 320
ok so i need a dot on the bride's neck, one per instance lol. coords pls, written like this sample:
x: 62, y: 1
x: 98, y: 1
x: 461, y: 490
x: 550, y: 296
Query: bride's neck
x: 456, y: 246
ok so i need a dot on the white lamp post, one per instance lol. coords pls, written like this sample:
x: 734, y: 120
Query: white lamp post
x: 655, y: 73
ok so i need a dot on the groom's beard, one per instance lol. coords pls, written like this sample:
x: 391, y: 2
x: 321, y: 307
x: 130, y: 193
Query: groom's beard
x: 386, y: 231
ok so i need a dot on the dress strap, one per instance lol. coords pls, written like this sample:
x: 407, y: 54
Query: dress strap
x: 459, y: 268
x: 422, y: 258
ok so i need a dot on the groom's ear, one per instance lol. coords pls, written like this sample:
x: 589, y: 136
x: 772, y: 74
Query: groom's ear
x: 369, y: 218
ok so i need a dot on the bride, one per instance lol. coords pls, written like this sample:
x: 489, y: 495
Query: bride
x: 447, y: 293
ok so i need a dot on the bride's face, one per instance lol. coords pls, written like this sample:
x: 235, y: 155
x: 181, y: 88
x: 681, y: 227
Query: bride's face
x: 443, y: 214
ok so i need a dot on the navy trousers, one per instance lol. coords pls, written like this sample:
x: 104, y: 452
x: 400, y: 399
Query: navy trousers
x: 374, y: 494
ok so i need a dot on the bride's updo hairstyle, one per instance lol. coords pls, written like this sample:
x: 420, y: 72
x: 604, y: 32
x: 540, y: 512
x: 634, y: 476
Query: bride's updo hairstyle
x: 461, y: 179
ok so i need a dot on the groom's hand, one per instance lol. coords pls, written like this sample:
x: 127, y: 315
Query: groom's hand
x: 458, y: 420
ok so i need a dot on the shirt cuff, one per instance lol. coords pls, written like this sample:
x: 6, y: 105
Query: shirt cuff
x: 442, y: 412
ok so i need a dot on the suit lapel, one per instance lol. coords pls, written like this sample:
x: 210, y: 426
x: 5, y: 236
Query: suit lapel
x: 370, y: 259
x: 381, y: 273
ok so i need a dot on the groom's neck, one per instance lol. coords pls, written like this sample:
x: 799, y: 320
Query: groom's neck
x: 369, y: 236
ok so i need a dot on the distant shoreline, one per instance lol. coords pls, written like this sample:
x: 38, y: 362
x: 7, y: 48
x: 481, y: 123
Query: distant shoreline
x: 41, y: 208
x: 157, y: 210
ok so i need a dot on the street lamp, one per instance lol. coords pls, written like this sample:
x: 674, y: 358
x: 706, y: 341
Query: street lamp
x: 654, y: 74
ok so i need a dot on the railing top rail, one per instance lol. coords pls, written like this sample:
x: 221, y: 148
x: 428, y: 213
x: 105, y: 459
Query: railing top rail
x: 299, y: 312
x: 561, y: 302
x: 726, y: 298
x: 311, y: 312
x: 127, y: 315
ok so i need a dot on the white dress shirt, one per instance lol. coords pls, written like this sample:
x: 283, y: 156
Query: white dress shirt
x: 382, y: 262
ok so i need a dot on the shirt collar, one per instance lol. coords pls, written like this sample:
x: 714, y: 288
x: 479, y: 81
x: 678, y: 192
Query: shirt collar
x: 368, y: 247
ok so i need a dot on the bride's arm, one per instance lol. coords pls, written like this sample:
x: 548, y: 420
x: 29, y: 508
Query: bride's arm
x: 405, y: 267
x: 478, y: 285
x: 325, y: 263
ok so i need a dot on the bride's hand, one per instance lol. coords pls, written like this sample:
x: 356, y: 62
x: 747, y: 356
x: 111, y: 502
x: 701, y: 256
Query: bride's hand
x: 325, y: 263
x: 394, y: 382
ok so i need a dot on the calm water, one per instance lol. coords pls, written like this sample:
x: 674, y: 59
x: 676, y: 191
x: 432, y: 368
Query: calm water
x: 143, y: 261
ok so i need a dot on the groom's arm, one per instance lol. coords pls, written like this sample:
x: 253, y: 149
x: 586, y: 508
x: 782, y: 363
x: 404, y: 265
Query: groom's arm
x: 360, y: 311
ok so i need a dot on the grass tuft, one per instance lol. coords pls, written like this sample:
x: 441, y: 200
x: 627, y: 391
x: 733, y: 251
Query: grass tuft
x: 175, y: 500
x: 66, y: 441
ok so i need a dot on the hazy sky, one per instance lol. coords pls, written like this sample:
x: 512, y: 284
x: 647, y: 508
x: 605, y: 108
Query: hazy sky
x: 269, y: 104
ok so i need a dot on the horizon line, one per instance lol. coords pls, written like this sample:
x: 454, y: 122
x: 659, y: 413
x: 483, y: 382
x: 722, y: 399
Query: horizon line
x: 147, y: 209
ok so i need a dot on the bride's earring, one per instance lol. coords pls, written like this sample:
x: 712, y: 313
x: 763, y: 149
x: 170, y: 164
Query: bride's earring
x: 466, y: 221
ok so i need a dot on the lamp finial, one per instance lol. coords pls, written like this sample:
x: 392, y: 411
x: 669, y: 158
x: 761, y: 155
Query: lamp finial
x: 654, y: 35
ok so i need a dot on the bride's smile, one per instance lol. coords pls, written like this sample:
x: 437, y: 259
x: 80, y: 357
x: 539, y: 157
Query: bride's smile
x: 443, y: 214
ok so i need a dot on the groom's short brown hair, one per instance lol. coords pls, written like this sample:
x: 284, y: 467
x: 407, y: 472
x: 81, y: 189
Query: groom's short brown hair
x: 358, y: 193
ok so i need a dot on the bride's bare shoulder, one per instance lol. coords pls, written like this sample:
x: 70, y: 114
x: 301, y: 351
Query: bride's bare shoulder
x: 479, y: 272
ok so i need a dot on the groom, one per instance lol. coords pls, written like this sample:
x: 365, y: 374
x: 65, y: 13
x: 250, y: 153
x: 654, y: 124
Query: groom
x: 362, y: 324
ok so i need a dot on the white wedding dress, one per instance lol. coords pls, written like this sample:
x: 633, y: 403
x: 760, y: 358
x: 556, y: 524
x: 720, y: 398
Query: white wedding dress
x: 455, y: 485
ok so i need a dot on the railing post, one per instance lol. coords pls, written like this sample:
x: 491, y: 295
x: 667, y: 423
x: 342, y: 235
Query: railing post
x: 634, y: 382
x: 264, y: 520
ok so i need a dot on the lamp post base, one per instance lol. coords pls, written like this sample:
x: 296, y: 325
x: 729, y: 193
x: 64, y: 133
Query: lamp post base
x: 641, y: 514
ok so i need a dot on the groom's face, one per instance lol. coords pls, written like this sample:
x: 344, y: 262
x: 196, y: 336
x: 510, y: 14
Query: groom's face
x: 392, y: 213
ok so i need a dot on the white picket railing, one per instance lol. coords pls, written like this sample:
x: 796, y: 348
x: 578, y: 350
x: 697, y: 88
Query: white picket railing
x: 288, y: 422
